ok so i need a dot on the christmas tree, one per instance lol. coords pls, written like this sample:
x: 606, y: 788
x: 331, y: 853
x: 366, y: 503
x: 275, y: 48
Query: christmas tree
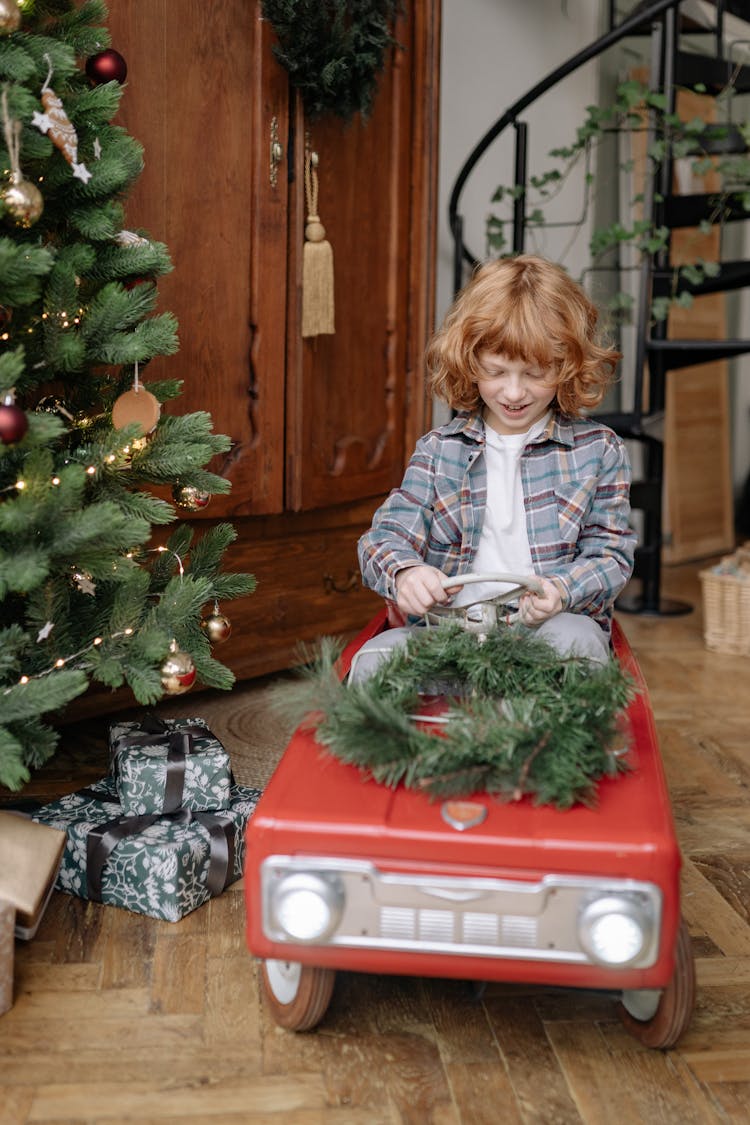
x: 85, y: 450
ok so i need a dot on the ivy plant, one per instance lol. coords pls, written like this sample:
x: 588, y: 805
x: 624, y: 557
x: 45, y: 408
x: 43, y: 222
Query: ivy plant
x: 635, y: 109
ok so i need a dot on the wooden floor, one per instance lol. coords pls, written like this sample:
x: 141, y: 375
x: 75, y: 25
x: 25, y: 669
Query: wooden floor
x: 120, y: 1018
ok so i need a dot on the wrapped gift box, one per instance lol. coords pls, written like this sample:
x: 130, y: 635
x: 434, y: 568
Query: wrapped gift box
x: 163, y: 865
x: 30, y: 859
x: 7, y: 949
x: 162, y: 765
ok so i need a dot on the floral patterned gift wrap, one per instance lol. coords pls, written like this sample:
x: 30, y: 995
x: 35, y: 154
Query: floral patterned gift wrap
x: 163, y: 865
x: 162, y: 765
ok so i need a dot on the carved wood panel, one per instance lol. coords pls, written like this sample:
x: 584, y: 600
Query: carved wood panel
x: 346, y: 391
x: 321, y: 428
x: 204, y: 96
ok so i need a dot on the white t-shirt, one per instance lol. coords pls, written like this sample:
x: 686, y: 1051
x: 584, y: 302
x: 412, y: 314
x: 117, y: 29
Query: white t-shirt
x: 504, y: 539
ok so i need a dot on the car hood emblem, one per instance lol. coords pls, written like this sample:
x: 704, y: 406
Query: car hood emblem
x: 463, y: 814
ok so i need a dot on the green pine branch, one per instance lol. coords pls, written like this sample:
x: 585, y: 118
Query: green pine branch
x: 84, y: 596
x: 520, y: 719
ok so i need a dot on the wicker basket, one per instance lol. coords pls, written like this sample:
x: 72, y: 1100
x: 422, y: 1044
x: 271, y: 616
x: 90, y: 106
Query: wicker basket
x: 726, y: 605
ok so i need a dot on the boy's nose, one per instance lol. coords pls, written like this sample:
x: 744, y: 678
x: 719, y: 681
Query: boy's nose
x: 514, y: 388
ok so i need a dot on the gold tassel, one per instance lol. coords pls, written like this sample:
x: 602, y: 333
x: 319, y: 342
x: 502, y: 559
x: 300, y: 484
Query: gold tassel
x: 317, y: 262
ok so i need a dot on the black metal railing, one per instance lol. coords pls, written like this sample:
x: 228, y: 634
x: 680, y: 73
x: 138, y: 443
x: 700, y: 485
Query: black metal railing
x: 629, y: 26
x: 660, y: 19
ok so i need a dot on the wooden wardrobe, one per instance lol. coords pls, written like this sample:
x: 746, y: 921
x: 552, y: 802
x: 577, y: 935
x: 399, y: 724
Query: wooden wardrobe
x: 321, y: 427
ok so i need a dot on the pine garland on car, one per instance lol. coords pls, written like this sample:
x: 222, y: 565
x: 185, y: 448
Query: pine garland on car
x: 521, y: 719
x: 333, y: 50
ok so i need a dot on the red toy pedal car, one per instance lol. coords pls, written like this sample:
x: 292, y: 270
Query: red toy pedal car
x: 343, y: 873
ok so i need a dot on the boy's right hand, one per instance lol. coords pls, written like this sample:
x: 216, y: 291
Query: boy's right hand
x: 419, y: 588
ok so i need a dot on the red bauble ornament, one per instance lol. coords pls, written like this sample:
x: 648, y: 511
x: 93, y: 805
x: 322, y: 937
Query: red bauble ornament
x: 107, y: 66
x: 13, y: 422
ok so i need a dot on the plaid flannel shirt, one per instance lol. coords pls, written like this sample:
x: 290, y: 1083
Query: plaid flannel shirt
x: 576, y: 485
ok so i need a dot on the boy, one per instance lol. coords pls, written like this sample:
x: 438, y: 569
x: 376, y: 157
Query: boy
x: 520, y: 481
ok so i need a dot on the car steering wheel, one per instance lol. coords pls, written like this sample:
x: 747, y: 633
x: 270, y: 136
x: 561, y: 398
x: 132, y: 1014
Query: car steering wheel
x: 488, y: 607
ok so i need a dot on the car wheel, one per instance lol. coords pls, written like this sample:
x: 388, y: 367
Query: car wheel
x: 297, y: 995
x: 675, y: 1005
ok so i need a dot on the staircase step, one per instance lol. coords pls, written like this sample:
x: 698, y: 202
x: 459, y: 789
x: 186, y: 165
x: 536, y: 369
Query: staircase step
x: 690, y: 210
x: 711, y: 72
x: 625, y: 424
x: 733, y: 275
x: 719, y: 140
x: 673, y: 354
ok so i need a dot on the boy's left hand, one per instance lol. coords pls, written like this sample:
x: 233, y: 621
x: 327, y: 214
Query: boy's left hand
x: 536, y: 608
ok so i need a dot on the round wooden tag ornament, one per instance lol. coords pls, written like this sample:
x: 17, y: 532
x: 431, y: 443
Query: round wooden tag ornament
x: 136, y: 405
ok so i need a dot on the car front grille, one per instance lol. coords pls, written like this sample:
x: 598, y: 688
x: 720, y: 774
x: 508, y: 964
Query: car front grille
x: 472, y: 916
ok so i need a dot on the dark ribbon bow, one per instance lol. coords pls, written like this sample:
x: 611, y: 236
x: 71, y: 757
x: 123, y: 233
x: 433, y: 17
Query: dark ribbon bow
x: 178, y: 743
x: 104, y: 838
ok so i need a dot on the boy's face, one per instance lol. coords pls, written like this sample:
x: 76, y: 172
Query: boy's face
x: 515, y: 392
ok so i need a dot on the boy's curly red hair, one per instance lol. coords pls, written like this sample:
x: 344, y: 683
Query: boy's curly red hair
x: 530, y: 309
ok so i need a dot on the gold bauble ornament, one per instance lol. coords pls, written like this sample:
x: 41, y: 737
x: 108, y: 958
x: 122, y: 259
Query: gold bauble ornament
x: 22, y: 200
x: 177, y: 671
x: 190, y: 498
x: 10, y: 16
x: 217, y: 627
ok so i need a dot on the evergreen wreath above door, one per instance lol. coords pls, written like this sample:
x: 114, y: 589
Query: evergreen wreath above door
x: 334, y: 50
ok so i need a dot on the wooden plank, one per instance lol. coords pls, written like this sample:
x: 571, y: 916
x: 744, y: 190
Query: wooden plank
x: 596, y: 1074
x: 709, y: 911
x: 128, y: 948
x: 104, y: 1100
x: 477, y: 1071
x: 185, y: 1059
x: 401, y: 1070
x: 178, y: 974
x: 699, y: 504
x: 537, y: 1081
x: 698, y: 518
x: 16, y: 1102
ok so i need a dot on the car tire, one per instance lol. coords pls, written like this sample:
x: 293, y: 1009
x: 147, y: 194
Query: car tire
x: 675, y: 1007
x: 297, y: 995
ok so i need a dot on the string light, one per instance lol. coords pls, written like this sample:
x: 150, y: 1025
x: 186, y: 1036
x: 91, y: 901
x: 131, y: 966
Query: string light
x: 91, y: 470
x: 63, y: 319
x: 163, y: 550
x: 64, y: 661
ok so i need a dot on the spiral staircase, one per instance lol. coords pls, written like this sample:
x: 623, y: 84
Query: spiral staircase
x: 669, y: 26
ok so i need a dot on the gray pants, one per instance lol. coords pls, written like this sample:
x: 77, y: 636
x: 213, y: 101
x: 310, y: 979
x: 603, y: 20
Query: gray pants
x: 571, y: 634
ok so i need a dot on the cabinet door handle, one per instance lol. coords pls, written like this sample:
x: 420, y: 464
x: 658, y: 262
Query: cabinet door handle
x: 331, y: 586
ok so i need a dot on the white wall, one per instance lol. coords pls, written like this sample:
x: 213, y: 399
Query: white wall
x: 493, y: 51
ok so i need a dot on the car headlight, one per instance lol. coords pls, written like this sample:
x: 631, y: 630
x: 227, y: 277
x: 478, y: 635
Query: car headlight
x: 307, y: 906
x: 614, y: 930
